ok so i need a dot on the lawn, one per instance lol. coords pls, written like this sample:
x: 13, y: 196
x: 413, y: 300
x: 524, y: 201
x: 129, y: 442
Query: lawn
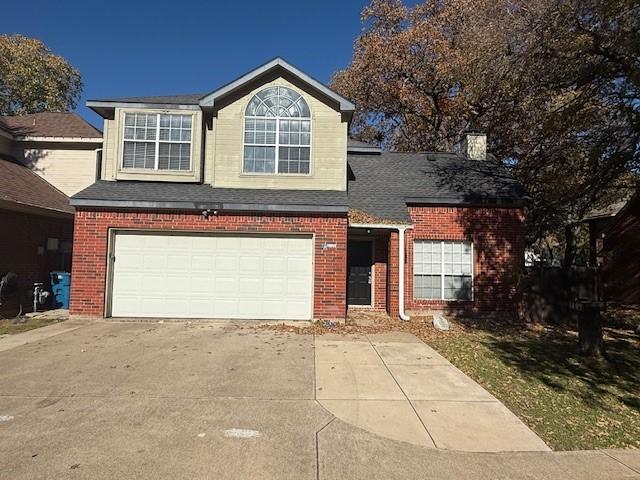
x: 9, y: 326
x: 570, y: 402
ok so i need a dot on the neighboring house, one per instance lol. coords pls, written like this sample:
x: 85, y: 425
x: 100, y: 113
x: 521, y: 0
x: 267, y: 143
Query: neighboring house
x: 251, y: 202
x: 60, y: 147
x: 37, y: 229
x: 614, y: 235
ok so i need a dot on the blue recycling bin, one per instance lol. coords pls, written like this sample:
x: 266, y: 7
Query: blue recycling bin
x: 61, y: 289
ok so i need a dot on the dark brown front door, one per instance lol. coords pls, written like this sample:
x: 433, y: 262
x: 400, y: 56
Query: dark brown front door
x: 359, y: 272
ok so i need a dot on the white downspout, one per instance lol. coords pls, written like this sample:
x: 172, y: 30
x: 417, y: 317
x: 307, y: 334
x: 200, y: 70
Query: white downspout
x: 403, y: 315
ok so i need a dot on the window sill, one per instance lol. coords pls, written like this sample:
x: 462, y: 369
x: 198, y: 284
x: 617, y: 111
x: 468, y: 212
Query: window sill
x: 151, y: 171
x: 440, y: 301
x: 277, y: 175
x: 143, y: 175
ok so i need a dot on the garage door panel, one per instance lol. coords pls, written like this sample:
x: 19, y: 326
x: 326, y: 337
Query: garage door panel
x: 201, y: 262
x: 298, y: 266
x: 251, y: 264
x: 224, y: 308
x: 295, y: 309
x: 174, y: 306
x: 154, y: 261
x: 249, y: 244
x: 249, y: 309
x: 179, y: 242
x: 127, y: 283
x: 225, y: 286
x: 250, y: 287
x: 206, y: 276
x: 226, y: 263
x: 275, y: 264
x: 274, y: 286
x: 199, y: 285
x: 297, y: 287
x: 177, y: 262
x: 151, y: 284
x: 296, y: 247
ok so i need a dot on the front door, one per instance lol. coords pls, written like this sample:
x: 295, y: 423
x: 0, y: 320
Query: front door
x: 359, y: 275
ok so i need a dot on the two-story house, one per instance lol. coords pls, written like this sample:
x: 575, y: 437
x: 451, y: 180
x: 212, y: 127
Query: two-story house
x: 44, y: 157
x: 251, y: 202
x: 61, y: 147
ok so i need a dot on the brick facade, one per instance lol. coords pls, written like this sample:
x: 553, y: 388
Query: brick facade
x: 22, y: 235
x: 92, y: 234
x: 380, y: 260
x: 498, y: 237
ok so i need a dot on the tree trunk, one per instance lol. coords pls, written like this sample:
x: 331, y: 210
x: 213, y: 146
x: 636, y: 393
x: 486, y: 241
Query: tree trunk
x: 571, y: 231
x: 590, y: 331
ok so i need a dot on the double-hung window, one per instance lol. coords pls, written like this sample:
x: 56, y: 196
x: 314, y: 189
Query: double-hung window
x: 277, y: 133
x: 157, y: 141
x: 442, y: 270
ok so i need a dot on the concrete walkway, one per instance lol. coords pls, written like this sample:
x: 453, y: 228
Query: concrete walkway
x: 7, y: 342
x: 397, y: 387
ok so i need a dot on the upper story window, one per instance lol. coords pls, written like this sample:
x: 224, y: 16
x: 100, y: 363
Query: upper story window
x: 277, y: 132
x: 157, y: 141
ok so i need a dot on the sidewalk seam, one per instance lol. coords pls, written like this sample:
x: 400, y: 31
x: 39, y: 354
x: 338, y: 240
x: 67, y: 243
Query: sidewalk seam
x: 318, y: 449
x: 621, y: 462
x: 405, y: 395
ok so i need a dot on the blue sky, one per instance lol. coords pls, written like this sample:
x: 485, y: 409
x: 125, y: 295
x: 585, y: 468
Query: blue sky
x: 150, y: 47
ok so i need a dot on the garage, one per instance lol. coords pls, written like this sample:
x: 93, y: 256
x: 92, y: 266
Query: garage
x: 235, y: 276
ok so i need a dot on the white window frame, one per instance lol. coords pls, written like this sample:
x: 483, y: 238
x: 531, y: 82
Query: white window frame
x: 277, y: 145
x: 157, y: 142
x: 442, y: 273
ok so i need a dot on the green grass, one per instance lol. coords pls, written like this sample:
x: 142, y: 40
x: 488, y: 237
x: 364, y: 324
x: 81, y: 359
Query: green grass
x: 9, y: 327
x: 571, y: 402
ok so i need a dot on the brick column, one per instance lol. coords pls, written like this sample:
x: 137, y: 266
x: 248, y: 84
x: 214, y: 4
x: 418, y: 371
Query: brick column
x: 381, y: 255
x: 392, y: 276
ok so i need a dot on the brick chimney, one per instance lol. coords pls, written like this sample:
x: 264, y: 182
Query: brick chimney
x: 474, y: 145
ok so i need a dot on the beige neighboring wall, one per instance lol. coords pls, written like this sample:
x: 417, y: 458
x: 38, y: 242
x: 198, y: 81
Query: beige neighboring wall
x: 112, y: 153
x: 224, y: 149
x: 70, y: 167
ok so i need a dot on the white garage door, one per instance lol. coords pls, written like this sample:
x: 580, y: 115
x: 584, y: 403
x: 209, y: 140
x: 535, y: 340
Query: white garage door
x: 222, y: 276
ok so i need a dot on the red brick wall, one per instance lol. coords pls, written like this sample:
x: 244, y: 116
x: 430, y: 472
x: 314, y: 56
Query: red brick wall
x: 393, y: 274
x: 91, y: 239
x: 22, y: 234
x: 380, y: 259
x: 498, y: 236
x: 621, y: 267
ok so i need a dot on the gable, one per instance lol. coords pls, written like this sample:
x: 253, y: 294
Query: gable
x: 270, y: 71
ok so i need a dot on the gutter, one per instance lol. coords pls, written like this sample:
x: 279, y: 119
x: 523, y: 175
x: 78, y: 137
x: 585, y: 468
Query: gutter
x: 401, y: 312
x: 222, y: 206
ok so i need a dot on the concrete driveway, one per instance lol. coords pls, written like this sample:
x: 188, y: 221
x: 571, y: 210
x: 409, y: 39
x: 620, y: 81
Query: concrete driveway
x: 144, y: 400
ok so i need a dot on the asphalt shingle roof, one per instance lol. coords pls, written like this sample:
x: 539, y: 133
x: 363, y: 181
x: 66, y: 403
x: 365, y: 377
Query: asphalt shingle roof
x: 382, y: 185
x: 202, y: 196
x: 21, y: 186
x: 49, y: 124
x: 379, y: 187
x: 185, y: 99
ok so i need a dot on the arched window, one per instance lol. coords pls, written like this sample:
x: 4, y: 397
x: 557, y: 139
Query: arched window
x: 277, y: 132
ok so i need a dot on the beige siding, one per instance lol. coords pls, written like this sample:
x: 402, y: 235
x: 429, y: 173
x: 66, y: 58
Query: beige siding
x: 112, y: 154
x: 68, y: 167
x: 209, y: 152
x: 108, y: 152
x: 328, y: 169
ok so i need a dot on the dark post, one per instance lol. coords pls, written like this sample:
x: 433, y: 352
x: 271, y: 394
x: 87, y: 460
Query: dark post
x: 590, y: 330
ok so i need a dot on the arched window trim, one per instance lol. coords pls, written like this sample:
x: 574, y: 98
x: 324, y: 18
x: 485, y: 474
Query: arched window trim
x: 277, y: 135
